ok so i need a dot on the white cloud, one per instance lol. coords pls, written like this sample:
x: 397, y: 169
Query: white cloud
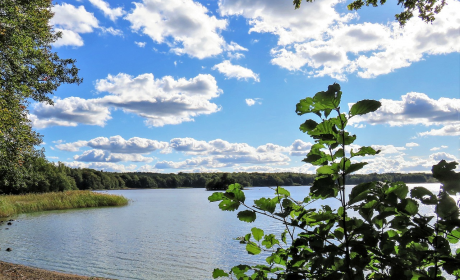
x: 112, y: 14
x: 112, y: 31
x: 412, y: 144
x: 68, y: 38
x: 235, y: 71
x: 161, y: 101
x: 234, y: 47
x: 72, y: 21
x: 252, y: 101
x: 72, y: 147
x: 106, y: 166
x: 300, y: 148
x: 417, y: 109
x: 105, y: 156
x: 184, y: 25
x: 235, y: 55
x: 320, y: 41
x: 387, y: 149
x: 448, y: 130
x: 272, y: 148
x: 280, y: 18
x: 70, y: 111
x: 438, y: 148
x: 140, y: 44
x: 117, y: 144
x: 443, y: 156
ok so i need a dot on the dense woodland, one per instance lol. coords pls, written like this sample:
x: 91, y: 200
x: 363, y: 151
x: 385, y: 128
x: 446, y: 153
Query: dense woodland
x: 43, y: 176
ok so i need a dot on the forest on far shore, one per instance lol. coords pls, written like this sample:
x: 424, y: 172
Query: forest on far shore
x: 44, y: 176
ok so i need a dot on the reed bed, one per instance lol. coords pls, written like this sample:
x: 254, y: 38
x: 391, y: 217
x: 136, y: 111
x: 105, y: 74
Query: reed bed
x: 33, y: 202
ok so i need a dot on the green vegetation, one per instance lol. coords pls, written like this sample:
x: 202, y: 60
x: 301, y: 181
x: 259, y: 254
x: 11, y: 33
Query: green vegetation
x: 388, y: 237
x: 27, y: 203
x: 29, y: 70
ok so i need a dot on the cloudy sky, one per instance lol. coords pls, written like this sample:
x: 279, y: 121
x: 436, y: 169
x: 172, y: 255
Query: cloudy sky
x: 200, y: 86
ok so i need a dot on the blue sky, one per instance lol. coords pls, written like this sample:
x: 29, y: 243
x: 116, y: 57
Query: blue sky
x: 203, y: 86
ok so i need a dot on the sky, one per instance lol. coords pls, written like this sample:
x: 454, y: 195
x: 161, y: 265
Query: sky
x: 211, y: 86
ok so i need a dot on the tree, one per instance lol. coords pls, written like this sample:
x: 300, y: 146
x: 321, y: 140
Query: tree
x: 29, y: 70
x: 427, y: 9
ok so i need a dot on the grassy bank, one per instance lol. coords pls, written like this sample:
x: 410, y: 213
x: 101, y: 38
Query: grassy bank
x: 27, y: 203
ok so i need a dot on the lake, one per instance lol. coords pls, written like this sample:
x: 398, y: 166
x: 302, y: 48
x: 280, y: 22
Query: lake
x: 161, y: 234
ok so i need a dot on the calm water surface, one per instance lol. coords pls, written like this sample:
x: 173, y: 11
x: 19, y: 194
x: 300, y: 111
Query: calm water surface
x: 161, y: 234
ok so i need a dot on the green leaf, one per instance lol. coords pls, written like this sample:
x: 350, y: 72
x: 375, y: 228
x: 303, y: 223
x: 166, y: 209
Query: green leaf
x: 398, y: 188
x: 364, y: 106
x: 269, y: 241
x: 454, y: 236
x: 257, y: 233
x: 363, y: 151
x: 410, y: 206
x: 424, y: 195
x: 253, y: 248
x: 447, y: 208
x: 219, y: 273
x: 308, y: 125
x: 247, y: 216
x: 355, y: 167
x: 266, y: 204
x: 359, y: 192
x: 304, y: 106
x: 217, y: 196
x: 239, y: 270
x: 282, y: 191
x: 229, y: 205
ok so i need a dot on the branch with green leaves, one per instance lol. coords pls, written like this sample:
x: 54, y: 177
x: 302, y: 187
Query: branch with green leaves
x: 376, y: 232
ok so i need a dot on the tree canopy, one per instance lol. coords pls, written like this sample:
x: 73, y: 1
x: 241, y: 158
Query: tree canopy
x: 29, y: 71
x: 426, y: 9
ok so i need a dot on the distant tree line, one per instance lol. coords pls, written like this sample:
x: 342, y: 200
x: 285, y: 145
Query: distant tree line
x: 43, y: 176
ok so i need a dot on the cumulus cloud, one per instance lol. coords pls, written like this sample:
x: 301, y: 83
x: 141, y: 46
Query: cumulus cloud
x: 235, y: 71
x: 72, y: 147
x: 106, y: 166
x: 252, y: 101
x: 117, y: 144
x: 112, y: 14
x: 72, y: 21
x: 417, y: 109
x: 300, y: 148
x: 105, y: 156
x: 438, y: 148
x: 412, y: 144
x: 448, y: 130
x: 184, y: 25
x: 161, y: 101
x: 320, y: 41
x: 70, y: 111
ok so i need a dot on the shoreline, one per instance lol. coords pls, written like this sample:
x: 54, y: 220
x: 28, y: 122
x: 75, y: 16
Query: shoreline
x: 11, y: 271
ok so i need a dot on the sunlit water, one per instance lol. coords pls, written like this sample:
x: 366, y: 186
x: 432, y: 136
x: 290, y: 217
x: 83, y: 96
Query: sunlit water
x: 161, y: 234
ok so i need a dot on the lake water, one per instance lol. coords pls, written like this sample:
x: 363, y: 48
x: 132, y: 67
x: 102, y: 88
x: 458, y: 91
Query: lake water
x: 161, y: 234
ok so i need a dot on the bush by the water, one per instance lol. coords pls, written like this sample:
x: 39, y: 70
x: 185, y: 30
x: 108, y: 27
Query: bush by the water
x: 26, y: 203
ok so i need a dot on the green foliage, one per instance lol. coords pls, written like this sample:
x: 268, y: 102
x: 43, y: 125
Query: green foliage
x: 29, y: 70
x: 378, y: 231
x: 427, y: 9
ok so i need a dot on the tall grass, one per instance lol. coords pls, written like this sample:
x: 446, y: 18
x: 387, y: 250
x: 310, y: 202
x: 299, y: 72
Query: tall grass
x: 27, y: 203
